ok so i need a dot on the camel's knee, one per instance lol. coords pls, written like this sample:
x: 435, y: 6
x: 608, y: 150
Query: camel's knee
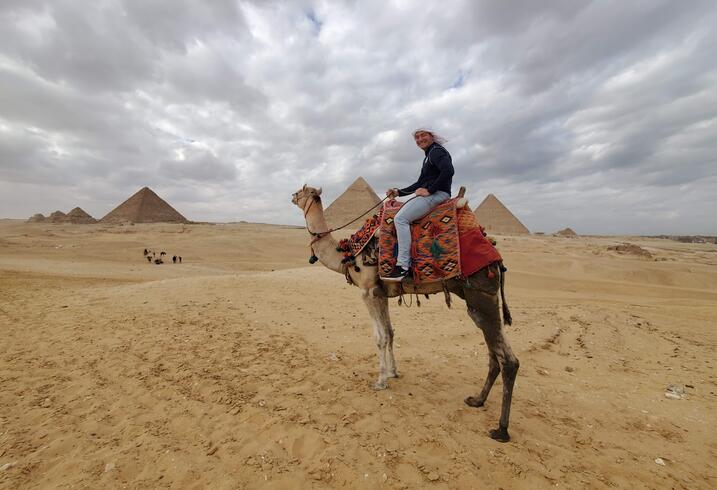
x: 389, y: 334
x: 493, y: 369
x: 381, y: 340
x: 510, y: 367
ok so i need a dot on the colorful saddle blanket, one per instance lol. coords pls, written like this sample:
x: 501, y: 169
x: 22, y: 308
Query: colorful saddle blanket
x: 447, y: 242
x: 435, y: 251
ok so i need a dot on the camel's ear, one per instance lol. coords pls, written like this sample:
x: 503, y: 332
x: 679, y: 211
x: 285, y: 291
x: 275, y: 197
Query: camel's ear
x: 303, y: 188
x: 318, y: 192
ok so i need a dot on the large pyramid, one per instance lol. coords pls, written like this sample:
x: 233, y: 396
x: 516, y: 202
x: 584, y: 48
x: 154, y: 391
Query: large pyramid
x: 144, y: 207
x: 496, y: 218
x: 79, y: 216
x: 356, y: 199
x: 57, y: 217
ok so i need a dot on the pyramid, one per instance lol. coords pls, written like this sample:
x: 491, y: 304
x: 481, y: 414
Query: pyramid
x: 496, y: 218
x: 567, y: 233
x: 37, y: 218
x: 356, y: 199
x: 79, y: 216
x: 57, y: 217
x: 144, y: 207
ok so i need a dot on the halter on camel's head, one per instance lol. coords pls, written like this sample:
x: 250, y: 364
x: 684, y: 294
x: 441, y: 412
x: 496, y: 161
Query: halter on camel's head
x: 306, y: 197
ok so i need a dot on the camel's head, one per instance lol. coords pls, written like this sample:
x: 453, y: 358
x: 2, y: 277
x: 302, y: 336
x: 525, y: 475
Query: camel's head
x: 304, y: 195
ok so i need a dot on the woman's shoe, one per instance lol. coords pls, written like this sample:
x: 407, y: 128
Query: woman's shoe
x: 397, y: 275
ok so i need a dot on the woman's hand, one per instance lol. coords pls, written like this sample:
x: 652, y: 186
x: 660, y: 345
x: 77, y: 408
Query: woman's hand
x: 423, y: 192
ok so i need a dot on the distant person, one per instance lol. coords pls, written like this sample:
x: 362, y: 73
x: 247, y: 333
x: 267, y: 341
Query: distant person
x: 432, y: 188
x: 146, y: 252
x: 174, y: 259
x: 149, y: 259
x: 180, y: 258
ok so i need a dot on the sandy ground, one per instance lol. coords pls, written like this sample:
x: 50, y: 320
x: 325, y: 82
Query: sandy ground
x: 245, y: 367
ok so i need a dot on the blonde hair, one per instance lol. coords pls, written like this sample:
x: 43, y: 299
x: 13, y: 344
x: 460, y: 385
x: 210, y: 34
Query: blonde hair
x: 436, y: 137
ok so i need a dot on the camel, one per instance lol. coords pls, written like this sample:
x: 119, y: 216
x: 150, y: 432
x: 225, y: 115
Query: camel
x: 479, y: 291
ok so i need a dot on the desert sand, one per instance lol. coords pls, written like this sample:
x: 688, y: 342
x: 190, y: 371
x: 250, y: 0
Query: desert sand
x: 246, y: 367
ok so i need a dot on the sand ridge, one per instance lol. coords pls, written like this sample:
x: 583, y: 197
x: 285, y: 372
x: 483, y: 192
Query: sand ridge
x: 245, y: 367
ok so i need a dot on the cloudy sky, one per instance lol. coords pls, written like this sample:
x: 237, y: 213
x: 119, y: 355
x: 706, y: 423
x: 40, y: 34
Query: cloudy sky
x: 599, y: 115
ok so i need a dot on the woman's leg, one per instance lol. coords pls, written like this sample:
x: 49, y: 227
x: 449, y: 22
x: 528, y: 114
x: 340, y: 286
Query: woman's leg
x: 411, y: 211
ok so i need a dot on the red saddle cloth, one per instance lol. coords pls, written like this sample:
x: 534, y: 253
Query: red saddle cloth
x: 447, y: 242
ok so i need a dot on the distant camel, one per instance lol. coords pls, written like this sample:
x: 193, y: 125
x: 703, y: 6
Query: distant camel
x: 480, y: 292
x: 149, y: 259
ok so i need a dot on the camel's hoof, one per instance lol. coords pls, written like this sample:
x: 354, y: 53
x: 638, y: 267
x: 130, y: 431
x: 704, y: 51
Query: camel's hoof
x: 500, y: 434
x: 380, y: 385
x: 474, y: 401
x: 394, y: 375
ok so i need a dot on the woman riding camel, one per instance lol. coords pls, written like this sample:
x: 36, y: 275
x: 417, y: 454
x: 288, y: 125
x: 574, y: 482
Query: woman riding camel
x: 432, y: 188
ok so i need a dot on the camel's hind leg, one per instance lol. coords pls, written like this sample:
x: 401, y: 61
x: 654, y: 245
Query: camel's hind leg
x: 383, y: 334
x: 493, y: 372
x: 483, y: 309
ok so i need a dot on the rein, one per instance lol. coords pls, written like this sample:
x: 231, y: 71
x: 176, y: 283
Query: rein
x: 318, y: 235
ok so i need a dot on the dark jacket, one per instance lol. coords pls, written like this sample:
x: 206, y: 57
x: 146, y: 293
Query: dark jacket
x: 436, y: 172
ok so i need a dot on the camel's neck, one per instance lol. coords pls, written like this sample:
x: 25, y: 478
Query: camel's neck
x: 325, y: 247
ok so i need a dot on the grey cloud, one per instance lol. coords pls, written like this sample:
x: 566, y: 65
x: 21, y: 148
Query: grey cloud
x: 176, y: 24
x: 570, y: 111
x: 199, y: 166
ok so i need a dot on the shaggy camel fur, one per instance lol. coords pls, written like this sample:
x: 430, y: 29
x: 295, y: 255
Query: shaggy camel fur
x: 480, y: 292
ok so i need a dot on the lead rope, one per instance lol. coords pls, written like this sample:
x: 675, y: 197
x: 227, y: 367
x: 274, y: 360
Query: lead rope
x: 321, y: 234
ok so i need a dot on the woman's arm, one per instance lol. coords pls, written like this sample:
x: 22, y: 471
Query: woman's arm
x: 410, y: 189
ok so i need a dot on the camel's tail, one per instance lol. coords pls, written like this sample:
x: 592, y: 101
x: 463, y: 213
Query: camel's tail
x: 507, y: 319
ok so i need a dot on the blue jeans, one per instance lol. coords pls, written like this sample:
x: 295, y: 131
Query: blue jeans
x: 411, y: 211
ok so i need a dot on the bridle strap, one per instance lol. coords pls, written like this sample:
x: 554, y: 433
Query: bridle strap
x: 317, y: 235
x: 320, y: 234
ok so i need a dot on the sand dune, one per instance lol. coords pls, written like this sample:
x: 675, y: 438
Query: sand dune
x: 244, y: 367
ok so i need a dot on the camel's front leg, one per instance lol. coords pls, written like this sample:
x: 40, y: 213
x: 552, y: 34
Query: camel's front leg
x: 390, y: 360
x: 383, y: 334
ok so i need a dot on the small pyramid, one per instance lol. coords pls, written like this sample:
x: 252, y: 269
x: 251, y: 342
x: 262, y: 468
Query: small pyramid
x: 496, y: 218
x: 57, y: 217
x: 144, y: 207
x: 356, y: 199
x: 79, y: 216
x: 37, y: 218
x: 567, y: 233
